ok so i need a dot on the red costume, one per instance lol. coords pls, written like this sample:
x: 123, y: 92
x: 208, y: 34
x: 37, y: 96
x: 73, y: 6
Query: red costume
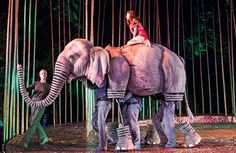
x: 140, y: 30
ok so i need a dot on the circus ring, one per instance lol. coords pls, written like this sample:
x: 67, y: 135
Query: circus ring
x: 218, y: 135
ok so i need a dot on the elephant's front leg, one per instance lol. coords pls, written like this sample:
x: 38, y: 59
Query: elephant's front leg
x: 118, y: 77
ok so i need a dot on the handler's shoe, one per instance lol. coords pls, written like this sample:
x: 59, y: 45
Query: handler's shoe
x: 44, y: 140
x: 170, y: 145
x: 100, y: 149
x: 137, y: 147
x: 25, y: 145
x: 163, y: 143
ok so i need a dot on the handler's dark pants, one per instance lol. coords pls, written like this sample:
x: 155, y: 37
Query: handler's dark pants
x: 165, y: 124
x: 99, y: 121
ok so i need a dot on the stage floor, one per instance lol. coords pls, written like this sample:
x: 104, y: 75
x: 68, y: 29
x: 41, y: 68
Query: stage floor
x: 216, y: 137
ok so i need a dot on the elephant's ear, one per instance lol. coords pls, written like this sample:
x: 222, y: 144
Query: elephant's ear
x: 99, y: 65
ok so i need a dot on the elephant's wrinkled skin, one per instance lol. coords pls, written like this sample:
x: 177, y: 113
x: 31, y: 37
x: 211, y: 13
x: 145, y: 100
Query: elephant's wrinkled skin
x: 150, y: 73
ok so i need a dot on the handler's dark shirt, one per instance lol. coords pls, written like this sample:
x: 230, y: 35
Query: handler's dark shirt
x: 41, y: 90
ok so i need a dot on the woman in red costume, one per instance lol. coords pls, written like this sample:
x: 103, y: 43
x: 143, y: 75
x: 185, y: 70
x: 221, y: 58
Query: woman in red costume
x: 136, y: 28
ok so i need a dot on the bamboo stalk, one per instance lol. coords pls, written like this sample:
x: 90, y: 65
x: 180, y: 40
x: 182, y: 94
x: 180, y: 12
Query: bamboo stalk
x: 14, y: 75
x: 99, y: 18
x: 193, y: 63
x: 103, y: 23
x: 200, y: 60
x: 222, y: 61
x: 207, y: 57
x: 158, y: 36
x: 77, y: 81
x: 174, y: 28
x: 232, y: 56
x: 64, y: 43
x: 178, y: 47
x: 112, y: 43
x: 168, y: 24
x: 215, y: 63
x: 70, y: 84
x: 10, y: 117
x: 124, y: 34
x: 24, y: 50
x: 59, y: 51
x: 119, y: 41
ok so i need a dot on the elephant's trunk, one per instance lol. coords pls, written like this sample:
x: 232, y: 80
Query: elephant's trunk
x: 61, y: 73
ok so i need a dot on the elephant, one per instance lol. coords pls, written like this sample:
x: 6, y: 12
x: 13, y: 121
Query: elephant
x: 140, y: 69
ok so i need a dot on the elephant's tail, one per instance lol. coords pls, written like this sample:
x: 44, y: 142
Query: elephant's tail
x: 189, y: 112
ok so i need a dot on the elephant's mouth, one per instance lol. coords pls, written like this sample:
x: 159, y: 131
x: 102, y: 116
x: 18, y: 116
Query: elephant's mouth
x: 87, y: 83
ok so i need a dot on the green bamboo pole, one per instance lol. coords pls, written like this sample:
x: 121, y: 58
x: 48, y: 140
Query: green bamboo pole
x: 207, y: 58
x: 112, y: 43
x: 232, y: 56
x: 120, y: 12
x: 28, y: 62
x: 24, y: 50
x: 14, y: 76
x: 9, y: 73
x: 178, y: 45
x: 103, y: 21
x: 6, y: 100
x: 77, y: 81
x: 184, y: 52
x: 192, y: 55
x: 70, y: 84
x: 17, y: 114
x: 34, y: 43
x: 222, y: 61
x: 143, y: 109
x: 168, y: 25
x: 215, y: 63
x: 200, y: 60
x: 59, y: 50
x: 174, y: 22
x: 158, y: 34
x: 64, y: 43
x: 84, y: 36
x: 124, y: 25
x: 99, y: 18
x: 52, y: 54
x: 149, y: 20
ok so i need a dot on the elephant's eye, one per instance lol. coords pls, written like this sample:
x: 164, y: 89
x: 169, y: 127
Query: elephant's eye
x: 74, y: 56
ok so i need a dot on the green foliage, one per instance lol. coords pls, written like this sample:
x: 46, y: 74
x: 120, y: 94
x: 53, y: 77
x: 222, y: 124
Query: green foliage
x: 197, y: 42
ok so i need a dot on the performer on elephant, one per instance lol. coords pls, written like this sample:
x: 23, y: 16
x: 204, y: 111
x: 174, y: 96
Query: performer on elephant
x: 136, y: 28
x: 41, y: 89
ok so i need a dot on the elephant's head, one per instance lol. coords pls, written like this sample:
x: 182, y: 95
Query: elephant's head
x: 79, y: 59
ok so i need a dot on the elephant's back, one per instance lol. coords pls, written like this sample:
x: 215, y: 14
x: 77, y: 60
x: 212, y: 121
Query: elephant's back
x: 146, y: 71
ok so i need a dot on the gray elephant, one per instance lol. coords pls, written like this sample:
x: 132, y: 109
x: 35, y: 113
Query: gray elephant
x: 139, y: 69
